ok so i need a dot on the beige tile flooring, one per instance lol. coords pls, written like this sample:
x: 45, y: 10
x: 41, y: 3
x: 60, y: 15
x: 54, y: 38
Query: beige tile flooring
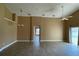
x: 44, y: 49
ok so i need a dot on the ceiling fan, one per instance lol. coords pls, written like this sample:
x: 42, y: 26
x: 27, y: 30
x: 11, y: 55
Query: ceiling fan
x: 64, y: 18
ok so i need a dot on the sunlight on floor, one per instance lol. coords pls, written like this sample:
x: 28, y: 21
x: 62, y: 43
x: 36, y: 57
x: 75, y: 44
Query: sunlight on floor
x: 36, y: 41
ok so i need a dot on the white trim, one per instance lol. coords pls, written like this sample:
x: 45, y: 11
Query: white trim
x: 6, y: 46
x: 40, y: 40
x: 23, y: 40
x: 50, y: 40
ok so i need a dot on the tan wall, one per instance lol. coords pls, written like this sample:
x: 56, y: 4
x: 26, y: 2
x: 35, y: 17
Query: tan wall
x: 51, y: 29
x: 8, y: 30
x: 4, y: 12
x: 8, y: 14
x: 23, y: 33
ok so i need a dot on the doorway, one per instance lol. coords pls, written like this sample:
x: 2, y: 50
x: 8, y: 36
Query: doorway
x: 73, y: 35
x: 36, y: 36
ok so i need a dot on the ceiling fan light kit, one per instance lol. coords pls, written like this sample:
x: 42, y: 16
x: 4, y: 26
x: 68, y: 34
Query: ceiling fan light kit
x: 65, y: 19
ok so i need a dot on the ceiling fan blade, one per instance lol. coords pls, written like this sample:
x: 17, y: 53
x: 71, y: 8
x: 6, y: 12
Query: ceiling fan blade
x: 69, y: 17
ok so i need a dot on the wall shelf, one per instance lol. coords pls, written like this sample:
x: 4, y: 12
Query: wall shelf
x: 8, y: 19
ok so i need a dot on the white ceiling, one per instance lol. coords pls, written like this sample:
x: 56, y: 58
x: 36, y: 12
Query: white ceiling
x: 43, y: 9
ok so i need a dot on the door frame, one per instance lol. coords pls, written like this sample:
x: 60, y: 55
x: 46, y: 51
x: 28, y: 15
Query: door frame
x: 34, y: 31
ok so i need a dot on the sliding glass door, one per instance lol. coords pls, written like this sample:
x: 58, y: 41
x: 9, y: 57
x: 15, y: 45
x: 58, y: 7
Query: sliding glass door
x: 73, y: 35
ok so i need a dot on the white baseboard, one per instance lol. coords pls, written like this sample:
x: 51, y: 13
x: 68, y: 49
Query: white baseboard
x: 51, y: 40
x: 23, y: 40
x: 40, y: 40
x: 6, y: 46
